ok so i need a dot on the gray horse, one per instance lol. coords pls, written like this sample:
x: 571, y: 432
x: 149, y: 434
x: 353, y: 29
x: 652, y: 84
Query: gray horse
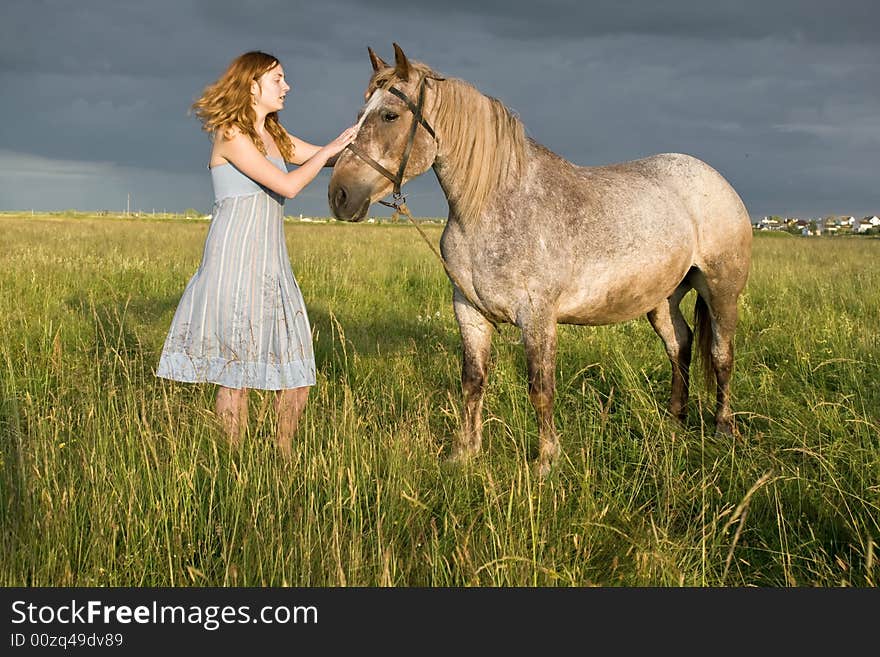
x: 534, y: 240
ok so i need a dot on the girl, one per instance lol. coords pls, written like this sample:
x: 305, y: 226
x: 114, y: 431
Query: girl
x: 241, y: 322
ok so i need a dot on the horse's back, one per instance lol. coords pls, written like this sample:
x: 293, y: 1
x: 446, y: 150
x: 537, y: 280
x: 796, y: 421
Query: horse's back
x: 681, y: 188
x: 705, y: 192
x: 643, y: 225
x: 710, y: 199
x: 692, y: 191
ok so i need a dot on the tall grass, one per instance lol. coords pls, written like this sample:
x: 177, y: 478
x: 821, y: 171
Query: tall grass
x: 110, y: 476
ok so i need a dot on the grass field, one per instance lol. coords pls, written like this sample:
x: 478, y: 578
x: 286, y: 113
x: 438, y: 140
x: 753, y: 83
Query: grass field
x: 110, y: 476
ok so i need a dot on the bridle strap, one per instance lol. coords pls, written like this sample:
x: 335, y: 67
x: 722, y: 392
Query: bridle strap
x: 417, y: 116
x: 415, y: 109
x: 366, y: 158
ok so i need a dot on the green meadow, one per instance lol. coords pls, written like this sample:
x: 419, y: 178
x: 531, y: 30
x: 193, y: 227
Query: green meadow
x: 110, y: 476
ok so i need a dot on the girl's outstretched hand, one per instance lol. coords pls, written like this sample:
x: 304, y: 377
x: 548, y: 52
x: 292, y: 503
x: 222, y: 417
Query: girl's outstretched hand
x: 344, y: 139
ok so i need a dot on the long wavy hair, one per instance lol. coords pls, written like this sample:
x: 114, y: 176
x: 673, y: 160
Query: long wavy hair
x: 228, y: 103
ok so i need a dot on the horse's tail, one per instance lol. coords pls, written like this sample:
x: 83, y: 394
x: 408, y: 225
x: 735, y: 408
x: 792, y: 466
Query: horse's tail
x: 703, y: 336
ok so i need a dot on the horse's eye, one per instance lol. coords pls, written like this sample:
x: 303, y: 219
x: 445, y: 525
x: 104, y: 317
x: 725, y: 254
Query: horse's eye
x: 389, y: 116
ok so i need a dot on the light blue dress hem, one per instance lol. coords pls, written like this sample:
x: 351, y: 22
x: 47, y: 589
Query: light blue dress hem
x: 236, y: 374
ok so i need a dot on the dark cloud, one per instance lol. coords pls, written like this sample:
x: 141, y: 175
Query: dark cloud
x: 779, y: 96
x: 811, y: 20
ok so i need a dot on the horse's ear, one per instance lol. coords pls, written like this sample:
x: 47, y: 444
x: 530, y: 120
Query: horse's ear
x: 401, y: 64
x: 376, y: 61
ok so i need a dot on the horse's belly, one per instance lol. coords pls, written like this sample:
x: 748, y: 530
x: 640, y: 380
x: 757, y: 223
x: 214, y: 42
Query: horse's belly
x: 606, y: 297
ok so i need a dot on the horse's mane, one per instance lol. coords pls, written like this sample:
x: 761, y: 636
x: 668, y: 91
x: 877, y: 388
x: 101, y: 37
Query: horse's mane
x: 483, y: 141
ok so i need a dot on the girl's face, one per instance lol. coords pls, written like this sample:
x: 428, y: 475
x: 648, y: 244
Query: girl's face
x: 269, y: 91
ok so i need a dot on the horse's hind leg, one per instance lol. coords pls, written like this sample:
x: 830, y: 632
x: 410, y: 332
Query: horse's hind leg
x: 724, y: 318
x: 716, y: 317
x: 476, y: 338
x: 539, y: 340
x: 670, y: 325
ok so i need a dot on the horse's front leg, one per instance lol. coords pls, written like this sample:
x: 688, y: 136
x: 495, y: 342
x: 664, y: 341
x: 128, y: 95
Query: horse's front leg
x: 539, y: 339
x: 476, y: 338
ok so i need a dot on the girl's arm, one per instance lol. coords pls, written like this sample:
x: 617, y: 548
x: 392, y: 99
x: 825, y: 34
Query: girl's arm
x: 240, y: 151
x: 303, y: 151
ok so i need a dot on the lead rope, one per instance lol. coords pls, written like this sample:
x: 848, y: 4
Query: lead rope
x: 400, y: 207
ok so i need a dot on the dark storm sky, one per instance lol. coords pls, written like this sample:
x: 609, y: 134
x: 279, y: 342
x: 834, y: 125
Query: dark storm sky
x: 781, y: 97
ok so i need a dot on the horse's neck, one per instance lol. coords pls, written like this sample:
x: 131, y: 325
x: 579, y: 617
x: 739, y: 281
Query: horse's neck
x: 459, y: 164
x: 451, y: 185
x: 452, y: 182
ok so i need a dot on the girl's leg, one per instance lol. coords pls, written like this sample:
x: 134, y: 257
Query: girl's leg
x: 289, y: 407
x: 232, y: 409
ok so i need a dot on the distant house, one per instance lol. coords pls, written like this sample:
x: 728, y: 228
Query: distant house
x: 811, y: 226
x: 836, y: 223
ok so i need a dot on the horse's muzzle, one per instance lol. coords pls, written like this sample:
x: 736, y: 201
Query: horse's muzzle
x: 347, y: 204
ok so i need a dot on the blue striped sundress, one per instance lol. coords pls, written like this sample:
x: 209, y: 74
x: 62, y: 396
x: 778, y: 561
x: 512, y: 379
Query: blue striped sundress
x: 242, y: 322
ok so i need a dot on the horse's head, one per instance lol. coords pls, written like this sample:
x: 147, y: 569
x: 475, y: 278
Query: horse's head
x: 395, y: 142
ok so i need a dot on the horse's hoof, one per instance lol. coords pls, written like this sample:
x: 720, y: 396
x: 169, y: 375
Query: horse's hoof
x: 544, y: 464
x: 542, y: 468
x: 462, y: 455
x: 547, y: 457
x: 725, y: 430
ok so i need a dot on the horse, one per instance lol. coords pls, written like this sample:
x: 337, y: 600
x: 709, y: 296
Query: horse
x: 534, y: 240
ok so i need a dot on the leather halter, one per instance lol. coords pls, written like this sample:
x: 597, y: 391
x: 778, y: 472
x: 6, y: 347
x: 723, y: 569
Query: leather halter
x: 418, y: 119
